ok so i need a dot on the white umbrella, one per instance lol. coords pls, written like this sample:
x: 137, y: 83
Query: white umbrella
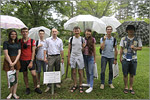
x: 86, y: 21
x: 112, y: 21
x: 33, y: 32
x: 8, y: 22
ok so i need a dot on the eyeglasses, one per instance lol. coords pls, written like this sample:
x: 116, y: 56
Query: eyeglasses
x: 109, y: 29
x: 13, y: 34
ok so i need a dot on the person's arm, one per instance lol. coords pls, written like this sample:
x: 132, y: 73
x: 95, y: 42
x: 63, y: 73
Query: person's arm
x: 7, y: 57
x: 121, y: 51
x: 94, y: 54
x: 62, y: 56
x: 18, y: 56
x: 69, y: 47
x: 33, y: 55
x: 136, y: 48
x: 102, y: 46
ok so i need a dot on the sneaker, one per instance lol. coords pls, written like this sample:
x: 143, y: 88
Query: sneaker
x: 58, y: 85
x: 88, y: 85
x: 102, y: 86
x: 37, y: 90
x: 9, y: 96
x: 47, y: 89
x: 89, y: 90
x: 111, y: 86
x: 27, y: 91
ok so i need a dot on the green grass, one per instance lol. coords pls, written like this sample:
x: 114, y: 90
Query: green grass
x: 141, y: 83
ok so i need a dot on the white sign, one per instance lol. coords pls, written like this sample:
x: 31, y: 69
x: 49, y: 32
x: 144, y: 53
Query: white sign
x: 52, y: 77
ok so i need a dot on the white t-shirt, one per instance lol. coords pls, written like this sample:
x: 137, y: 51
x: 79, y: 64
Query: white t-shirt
x: 76, y: 46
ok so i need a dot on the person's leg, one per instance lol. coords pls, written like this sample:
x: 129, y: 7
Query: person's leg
x: 33, y: 73
x: 57, y: 68
x: 111, y: 61
x: 38, y: 70
x: 86, y: 68
x: 74, y: 74
x: 103, y: 68
x: 80, y: 71
x: 91, y: 69
x: 25, y: 77
x: 125, y: 79
x: 15, y: 86
x: 131, y: 81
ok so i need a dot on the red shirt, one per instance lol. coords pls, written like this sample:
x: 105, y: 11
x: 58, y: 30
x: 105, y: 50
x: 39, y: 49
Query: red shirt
x: 26, y: 54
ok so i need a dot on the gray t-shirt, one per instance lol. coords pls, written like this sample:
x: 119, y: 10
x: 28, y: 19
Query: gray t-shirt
x: 109, y: 49
x: 76, y: 46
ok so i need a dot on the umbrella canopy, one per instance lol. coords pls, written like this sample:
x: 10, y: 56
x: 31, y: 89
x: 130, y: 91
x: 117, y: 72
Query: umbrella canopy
x: 33, y: 32
x: 111, y: 21
x: 8, y: 22
x: 86, y: 21
x: 141, y: 30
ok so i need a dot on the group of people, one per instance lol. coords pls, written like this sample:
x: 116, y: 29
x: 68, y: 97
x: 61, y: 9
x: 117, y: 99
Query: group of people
x: 26, y: 53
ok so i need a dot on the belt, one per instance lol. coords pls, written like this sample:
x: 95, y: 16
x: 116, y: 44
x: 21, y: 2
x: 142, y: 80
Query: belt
x: 55, y: 55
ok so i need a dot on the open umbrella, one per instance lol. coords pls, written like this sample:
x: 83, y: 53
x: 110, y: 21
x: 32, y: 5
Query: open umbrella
x: 141, y: 30
x: 33, y: 32
x: 112, y: 21
x: 8, y: 22
x: 86, y: 21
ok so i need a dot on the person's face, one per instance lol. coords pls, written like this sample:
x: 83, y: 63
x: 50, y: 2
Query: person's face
x: 130, y: 32
x: 76, y: 31
x: 54, y: 32
x: 25, y: 33
x: 41, y: 34
x: 109, y: 30
x: 13, y: 35
x: 87, y: 34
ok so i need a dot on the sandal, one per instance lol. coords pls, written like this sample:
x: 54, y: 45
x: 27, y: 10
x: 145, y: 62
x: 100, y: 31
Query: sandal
x: 125, y: 91
x: 9, y: 96
x: 15, y: 96
x: 81, y: 89
x: 132, y: 92
x: 73, y: 88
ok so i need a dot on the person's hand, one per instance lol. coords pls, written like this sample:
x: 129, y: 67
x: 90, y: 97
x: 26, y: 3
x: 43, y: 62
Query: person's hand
x: 45, y: 60
x: 94, y: 61
x: 40, y: 45
x: 30, y: 65
x: 12, y: 68
x: 132, y: 47
x: 104, y: 38
x: 62, y: 61
x: 12, y: 64
x: 115, y: 62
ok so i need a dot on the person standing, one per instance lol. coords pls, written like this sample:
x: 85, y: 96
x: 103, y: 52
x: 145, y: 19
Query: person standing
x: 128, y: 57
x: 54, y: 48
x: 40, y: 55
x: 26, y: 59
x: 12, y: 51
x: 89, y: 59
x: 75, y: 57
x: 109, y: 54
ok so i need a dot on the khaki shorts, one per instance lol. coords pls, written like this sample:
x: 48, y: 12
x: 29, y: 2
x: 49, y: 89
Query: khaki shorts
x: 77, y: 62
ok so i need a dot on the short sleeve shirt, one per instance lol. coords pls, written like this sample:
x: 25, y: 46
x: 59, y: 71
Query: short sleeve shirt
x: 76, y: 46
x: 26, y: 54
x: 109, y: 49
x: 12, y: 48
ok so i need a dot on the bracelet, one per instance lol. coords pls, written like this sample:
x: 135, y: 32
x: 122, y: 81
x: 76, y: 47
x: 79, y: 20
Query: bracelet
x: 115, y: 59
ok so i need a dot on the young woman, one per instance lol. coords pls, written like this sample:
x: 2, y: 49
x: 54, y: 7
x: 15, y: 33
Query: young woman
x: 89, y: 58
x: 12, y: 50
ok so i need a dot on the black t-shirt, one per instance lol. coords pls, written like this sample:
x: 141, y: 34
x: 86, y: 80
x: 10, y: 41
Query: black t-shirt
x: 12, y: 48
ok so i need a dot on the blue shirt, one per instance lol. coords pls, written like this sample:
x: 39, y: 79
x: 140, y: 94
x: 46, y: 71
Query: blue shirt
x: 109, y: 49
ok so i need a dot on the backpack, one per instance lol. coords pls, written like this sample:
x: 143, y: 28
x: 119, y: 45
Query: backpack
x: 71, y: 43
x: 36, y: 50
x: 31, y: 43
x: 100, y: 50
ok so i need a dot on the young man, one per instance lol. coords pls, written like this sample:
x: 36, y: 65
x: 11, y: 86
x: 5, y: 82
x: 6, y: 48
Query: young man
x: 26, y: 59
x: 40, y: 55
x: 54, y: 47
x: 75, y: 57
x: 128, y: 56
x: 109, y: 54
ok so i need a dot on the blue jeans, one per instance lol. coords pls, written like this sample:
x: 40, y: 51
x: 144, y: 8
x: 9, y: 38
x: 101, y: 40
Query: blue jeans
x: 39, y: 64
x: 104, y: 61
x: 89, y: 65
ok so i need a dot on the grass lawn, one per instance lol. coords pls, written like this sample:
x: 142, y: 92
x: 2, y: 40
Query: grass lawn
x: 141, y: 83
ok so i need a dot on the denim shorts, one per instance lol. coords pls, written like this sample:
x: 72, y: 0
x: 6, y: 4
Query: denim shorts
x: 129, y: 67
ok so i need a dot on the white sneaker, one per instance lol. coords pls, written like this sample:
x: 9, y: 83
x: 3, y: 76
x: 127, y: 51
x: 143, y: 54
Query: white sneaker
x: 102, y: 86
x: 111, y: 86
x: 47, y: 89
x: 88, y: 85
x: 38, y: 86
x: 58, y: 85
x: 89, y: 90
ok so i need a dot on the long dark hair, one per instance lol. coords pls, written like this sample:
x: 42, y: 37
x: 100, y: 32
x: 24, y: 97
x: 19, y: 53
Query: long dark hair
x: 90, y: 42
x: 9, y: 37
